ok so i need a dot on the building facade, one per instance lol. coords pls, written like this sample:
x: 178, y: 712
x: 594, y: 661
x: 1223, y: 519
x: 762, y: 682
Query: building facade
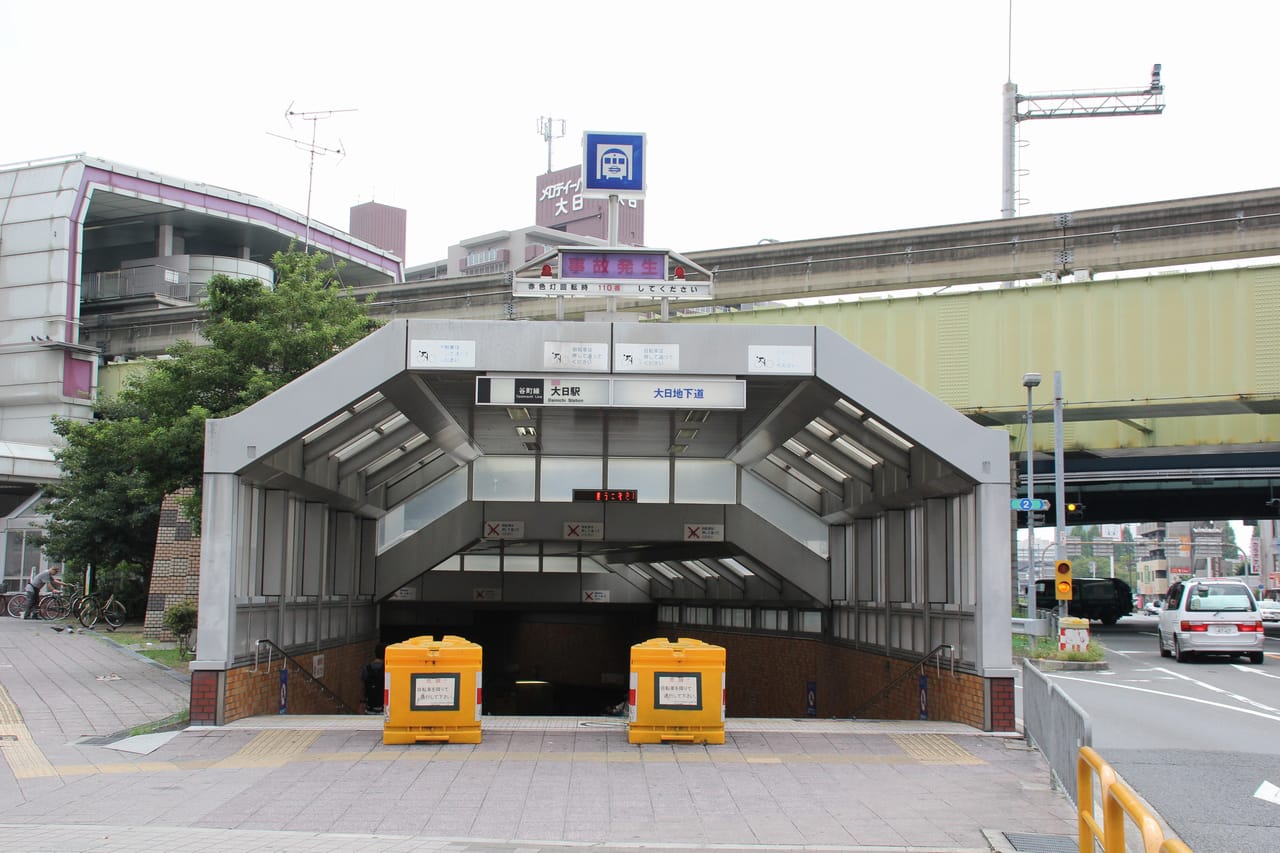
x: 84, y: 241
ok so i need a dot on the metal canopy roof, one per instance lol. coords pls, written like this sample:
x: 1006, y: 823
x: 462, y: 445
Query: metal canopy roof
x: 843, y: 435
x: 121, y: 222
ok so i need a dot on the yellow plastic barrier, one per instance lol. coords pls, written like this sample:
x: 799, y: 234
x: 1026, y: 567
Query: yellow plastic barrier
x: 1118, y: 801
x: 433, y: 691
x: 677, y: 692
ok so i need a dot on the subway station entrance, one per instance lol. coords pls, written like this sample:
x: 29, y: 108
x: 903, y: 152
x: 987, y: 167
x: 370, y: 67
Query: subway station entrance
x: 557, y: 492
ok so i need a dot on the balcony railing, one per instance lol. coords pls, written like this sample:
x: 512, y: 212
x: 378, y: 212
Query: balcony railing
x: 140, y: 281
x: 172, y: 281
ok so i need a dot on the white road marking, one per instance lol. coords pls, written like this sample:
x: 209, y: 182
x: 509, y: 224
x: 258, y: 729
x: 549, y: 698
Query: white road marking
x: 1267, y: 791
x: 1253, y: 670
x: 1245, y: 699
x: 1274, y: 715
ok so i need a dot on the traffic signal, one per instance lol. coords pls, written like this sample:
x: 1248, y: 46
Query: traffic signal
x: 1062, y: 580
x: 1075, y: 510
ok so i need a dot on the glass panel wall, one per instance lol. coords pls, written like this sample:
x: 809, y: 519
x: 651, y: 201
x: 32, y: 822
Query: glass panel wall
x: 561, y: 475
x: 650, y: 478
x: 706, y: 481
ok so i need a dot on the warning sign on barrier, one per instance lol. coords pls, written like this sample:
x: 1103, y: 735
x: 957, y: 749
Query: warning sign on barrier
x: 1073, y: 634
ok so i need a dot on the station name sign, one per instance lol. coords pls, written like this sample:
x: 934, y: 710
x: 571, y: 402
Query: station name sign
x: 631, y: 392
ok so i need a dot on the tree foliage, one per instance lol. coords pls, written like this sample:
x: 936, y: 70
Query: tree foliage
x: 149, y: 440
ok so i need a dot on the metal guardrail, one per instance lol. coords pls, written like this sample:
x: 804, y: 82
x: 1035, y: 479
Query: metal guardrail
x: 342, y: 707
x: 1054, y: 724
x: 1063, y: 733
x: 1120, y: 809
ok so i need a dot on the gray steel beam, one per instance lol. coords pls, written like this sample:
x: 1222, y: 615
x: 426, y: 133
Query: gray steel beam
x: 348, y: 430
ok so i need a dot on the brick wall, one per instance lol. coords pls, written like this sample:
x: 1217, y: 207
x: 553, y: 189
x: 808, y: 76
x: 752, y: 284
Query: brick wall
x: 248, y: 693
x: 1002, y: 715
x: 204, y: 697
x: 175, y: 571
x: 766, y: 676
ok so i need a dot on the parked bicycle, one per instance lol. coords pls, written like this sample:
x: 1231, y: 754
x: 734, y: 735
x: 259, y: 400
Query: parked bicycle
x: 51, y: 605
x: 110, y: 611
x: 65, y: 602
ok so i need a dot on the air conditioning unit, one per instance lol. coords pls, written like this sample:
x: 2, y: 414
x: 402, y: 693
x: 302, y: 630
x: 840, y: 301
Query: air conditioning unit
x: 1049, y: 277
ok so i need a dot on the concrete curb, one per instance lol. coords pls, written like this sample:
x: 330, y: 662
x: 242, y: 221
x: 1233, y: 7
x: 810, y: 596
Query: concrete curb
x: 1050, y: 665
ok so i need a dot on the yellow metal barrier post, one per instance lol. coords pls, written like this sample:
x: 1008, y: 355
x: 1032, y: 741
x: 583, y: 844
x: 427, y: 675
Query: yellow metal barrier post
x: 1087, y: 763
x: 1118, y: 800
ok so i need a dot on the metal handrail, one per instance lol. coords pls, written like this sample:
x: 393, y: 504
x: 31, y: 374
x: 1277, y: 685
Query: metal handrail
x: 951, y: 654
x: 270, y: 644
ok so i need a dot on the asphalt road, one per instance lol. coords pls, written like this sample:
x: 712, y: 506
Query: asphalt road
x: 1199, y: 740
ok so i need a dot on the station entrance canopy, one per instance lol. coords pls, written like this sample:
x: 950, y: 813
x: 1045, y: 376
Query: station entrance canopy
x: 543, y: 462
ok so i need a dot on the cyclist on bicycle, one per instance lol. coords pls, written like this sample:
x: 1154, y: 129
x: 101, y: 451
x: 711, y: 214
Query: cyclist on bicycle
x: 49, y: 577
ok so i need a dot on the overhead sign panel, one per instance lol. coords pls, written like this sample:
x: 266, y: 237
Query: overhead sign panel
x: 613, y: 164
x: 682, y: 392
x: 639, y: 392
x: 613, y: 263
x: 600, y: 287
x: 542, y: 391
x: 626, y: 271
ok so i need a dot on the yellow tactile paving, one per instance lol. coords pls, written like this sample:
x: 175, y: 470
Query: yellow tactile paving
x: 934, y: 749
x: 140, y: 767
x: 271, y: 749
x: 9, y: 713
x: 16, y: 744
x: 278, y: 747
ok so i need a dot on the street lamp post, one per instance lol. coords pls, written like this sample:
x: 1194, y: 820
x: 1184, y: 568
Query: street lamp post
x: 1245, y: 566
x: 1030, y: 381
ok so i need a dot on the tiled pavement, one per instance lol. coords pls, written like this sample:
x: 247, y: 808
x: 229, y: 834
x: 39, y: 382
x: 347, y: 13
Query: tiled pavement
x: 71, y: 781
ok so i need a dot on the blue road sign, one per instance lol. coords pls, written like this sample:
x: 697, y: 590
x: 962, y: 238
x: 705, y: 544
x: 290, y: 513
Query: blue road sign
x: 613, y: 164
x: 1028, y: 504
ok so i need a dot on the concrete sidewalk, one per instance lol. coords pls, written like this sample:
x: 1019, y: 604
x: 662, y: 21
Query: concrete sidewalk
x: 73, y: 781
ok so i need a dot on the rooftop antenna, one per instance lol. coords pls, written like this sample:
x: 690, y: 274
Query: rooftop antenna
x: 313, y: 116
x: 547, y: 130
x: 1086, y: 104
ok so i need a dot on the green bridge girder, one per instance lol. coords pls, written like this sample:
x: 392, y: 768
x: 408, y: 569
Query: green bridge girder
x: 1172, y: 377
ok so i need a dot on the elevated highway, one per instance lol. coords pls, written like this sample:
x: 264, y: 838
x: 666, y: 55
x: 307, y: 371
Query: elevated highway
x: 1177, y: 232
x: 1172, y: 380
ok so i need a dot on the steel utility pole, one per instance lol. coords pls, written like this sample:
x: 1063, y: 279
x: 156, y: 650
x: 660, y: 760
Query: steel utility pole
x: 1089, y: 104
x: 547, y: 130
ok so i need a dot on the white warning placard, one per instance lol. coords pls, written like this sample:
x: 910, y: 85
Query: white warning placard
x: 677, y: 690
x: 435, y: 692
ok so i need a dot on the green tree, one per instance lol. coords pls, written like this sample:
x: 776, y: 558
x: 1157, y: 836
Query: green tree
x: 149, y: 441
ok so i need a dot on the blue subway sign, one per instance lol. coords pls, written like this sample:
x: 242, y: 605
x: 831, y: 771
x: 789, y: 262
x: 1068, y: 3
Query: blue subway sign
x: 1028, y: 504
x: 613, y: 164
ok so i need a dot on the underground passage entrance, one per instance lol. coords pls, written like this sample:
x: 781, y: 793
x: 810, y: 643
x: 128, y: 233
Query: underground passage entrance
x: 571, y: 660
x: 559, y: 492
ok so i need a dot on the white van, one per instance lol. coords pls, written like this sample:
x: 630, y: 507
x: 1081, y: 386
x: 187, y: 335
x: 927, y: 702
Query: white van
x: 1211, y: 616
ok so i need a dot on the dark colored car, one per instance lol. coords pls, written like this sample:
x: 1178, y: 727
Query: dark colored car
x: 1102, y: 600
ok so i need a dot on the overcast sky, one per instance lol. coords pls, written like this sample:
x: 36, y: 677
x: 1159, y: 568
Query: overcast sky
x: 764, y: 120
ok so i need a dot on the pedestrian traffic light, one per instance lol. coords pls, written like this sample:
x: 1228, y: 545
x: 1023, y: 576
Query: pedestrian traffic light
x: 1075, y: 510
x: 1062, y: 580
